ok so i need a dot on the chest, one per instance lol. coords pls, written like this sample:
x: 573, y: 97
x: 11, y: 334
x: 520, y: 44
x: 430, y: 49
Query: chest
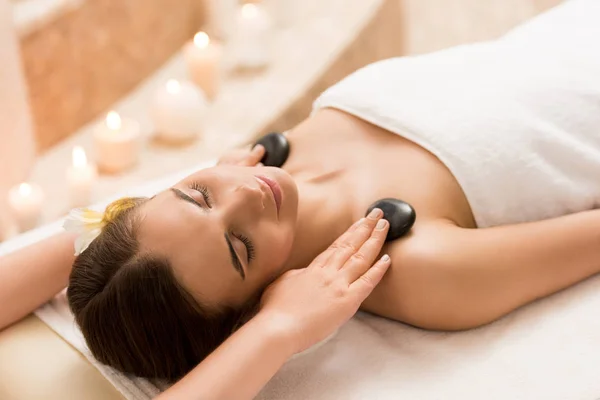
x: 362, y: 163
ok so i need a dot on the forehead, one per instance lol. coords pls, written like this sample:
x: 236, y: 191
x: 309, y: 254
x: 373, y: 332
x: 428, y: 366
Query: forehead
x: 191, y: 241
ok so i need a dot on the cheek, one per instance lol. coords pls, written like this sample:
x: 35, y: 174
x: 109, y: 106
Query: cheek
x: 277, y: 244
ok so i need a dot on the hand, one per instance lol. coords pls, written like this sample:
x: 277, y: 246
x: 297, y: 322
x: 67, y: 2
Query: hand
x: 244, y: 157
x: 309, y: 304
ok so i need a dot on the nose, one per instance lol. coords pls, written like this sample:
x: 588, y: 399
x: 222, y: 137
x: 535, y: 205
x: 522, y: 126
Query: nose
x: 245, y: 203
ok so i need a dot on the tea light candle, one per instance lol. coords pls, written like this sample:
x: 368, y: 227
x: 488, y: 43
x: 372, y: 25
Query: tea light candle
x: 178, y: 110
x: 116, y: 143
x: 203, y: 59
x: 81, y: 176
x: 252, y: 40
x: 25, y: 201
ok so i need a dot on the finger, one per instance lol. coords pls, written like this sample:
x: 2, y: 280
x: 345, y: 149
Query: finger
x: 322, y: 258
x: 255, y: 155
x: 351, y: 243
x: 361, y: 261
x: 365, y: 284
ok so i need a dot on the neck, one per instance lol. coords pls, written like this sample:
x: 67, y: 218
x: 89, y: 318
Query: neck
x: 322, y: 218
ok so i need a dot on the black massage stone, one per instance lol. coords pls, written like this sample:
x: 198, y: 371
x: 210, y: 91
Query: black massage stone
x: 398, y: 213
x: 277, y: 149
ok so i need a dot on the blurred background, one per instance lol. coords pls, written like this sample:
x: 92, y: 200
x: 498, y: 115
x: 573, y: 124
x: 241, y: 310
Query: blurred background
x: 97, y: 96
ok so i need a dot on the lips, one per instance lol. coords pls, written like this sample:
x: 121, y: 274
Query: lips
x: 275, y: 190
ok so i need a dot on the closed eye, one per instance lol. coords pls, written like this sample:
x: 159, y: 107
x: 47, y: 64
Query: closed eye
x: 203, y: 190
x: 249, y: 246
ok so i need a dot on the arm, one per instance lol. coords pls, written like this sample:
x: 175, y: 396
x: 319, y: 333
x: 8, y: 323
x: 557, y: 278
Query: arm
x: 240, y: 367
x: 447, y: 277
x: 31, y: 276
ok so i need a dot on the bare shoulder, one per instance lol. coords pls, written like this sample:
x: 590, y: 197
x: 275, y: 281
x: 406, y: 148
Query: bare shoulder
x: 415, y: 261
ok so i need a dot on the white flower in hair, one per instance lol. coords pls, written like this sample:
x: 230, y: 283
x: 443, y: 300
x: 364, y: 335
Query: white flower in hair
x: 87, y: 224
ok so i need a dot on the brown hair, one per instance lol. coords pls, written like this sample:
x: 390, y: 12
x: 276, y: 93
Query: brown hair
x: 134, y: 314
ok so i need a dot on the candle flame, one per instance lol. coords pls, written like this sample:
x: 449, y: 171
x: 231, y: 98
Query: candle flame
x: 201, y: 40
x: 79, y: 157
x: 173, y: 86
x: 25, y: 189
x: 113, y: 121
x: 249, y: 10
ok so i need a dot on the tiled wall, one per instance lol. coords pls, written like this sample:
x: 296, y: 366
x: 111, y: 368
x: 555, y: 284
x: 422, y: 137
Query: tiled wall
x: 89, y: 57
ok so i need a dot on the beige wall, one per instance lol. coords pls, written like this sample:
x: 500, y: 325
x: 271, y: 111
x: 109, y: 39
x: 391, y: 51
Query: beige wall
x: 434, y: 24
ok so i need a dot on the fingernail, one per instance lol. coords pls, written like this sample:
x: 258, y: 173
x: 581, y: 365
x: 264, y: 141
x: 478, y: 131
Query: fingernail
x: 258, y: 148
x: 381, y: 224
x: 385, y: 258
x: 375, y: 213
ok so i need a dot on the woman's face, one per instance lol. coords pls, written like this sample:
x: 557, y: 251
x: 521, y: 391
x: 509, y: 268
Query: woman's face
x: 227, y: 231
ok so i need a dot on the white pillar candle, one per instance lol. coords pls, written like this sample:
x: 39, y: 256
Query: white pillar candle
x: 116, y: 143
x: 178, y: 110
x: 81, y: 176
x: 252, y: 41
x: 25, y: 201
x: 203, y: 60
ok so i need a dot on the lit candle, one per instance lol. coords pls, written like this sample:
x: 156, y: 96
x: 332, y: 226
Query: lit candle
x: 81, y: 176
x: 251, y: 42
x: 116, y: 143
x: 25, y: 201
x: 178, y: 110
x: 203, y: 59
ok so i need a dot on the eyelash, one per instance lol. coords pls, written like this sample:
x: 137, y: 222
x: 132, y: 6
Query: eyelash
x: 244, y: 239
x: 204, y: 191
x: 248, y: 244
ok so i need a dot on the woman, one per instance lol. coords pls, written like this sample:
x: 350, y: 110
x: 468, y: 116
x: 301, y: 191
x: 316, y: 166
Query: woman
x: 479, y: 142
x: 471, y: 137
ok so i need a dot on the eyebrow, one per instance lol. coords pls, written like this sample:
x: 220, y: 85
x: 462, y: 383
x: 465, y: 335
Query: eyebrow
x: 235, y: 260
